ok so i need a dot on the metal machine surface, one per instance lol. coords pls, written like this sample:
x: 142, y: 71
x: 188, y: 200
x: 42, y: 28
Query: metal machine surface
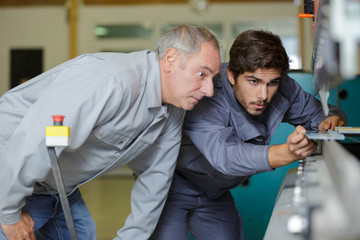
x: 336, y: 44
x: 321, y: 198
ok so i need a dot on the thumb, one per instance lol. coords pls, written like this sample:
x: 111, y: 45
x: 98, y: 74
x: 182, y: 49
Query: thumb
x: 300, y: 129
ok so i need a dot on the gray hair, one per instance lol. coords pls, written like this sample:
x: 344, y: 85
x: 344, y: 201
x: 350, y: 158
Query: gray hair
x: 186, y: 39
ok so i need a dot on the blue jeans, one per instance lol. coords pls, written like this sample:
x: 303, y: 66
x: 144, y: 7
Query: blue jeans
x: 205, y: 218
x: 49, y: 219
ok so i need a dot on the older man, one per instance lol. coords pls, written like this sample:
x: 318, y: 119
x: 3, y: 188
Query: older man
x: 122, y: 109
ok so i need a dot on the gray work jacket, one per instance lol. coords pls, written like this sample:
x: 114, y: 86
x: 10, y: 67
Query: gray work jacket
x: 112, y: 104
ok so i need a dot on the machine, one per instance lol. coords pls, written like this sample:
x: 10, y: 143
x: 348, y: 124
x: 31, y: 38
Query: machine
x: 320, y: 199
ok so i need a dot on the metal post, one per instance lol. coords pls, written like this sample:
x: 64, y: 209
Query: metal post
x: 62, y: 194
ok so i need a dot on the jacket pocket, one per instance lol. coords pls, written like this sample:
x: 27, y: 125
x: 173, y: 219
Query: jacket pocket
x: 115, y: 139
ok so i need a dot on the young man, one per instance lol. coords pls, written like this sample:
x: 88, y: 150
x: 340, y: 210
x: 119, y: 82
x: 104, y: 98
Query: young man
x: 226, y: 138
x: 121, y: 109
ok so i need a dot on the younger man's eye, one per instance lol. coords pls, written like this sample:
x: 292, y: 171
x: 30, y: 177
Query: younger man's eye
x: 253, y: 81
x: 274, y: 83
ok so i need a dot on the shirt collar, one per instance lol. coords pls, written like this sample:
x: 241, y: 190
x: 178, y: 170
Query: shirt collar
x: 153, y: 83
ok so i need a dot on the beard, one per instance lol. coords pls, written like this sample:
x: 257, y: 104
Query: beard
x: 253, y: 110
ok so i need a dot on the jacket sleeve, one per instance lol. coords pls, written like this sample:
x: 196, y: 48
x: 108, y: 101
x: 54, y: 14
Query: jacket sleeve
x: 26, y: 111
x: 154, y: 170
x: 305, y: 109
x: 209, y: 128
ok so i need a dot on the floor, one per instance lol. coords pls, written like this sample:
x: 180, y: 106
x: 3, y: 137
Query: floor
x: 108, y: 199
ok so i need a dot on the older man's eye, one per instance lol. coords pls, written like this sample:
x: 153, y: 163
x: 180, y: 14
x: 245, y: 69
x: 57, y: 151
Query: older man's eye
x: 201, y: 74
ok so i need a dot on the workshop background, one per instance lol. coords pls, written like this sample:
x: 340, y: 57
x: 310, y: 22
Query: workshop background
x: 37, y: 35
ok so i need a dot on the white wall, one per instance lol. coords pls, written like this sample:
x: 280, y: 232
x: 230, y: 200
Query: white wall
x: 174, y: 13
x: 47, y: 27
x: 32, y: 27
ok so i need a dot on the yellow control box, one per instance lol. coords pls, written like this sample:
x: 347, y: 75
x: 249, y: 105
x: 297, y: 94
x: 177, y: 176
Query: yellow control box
x: 57, y: 135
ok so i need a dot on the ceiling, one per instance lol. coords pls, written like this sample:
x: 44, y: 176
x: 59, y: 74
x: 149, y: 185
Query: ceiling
x: 4, y: 3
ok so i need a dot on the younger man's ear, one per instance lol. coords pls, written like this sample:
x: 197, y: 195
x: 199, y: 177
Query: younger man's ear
x: 230, y: 75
